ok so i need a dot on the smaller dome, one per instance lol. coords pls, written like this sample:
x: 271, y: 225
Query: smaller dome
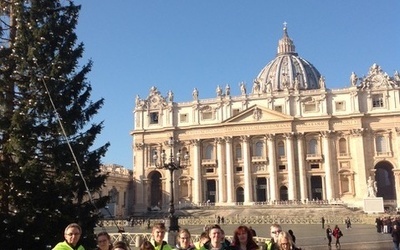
x: 288, y: 70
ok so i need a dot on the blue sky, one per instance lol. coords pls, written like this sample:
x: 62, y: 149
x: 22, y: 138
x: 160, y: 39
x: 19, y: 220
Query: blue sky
x: 179, y: 45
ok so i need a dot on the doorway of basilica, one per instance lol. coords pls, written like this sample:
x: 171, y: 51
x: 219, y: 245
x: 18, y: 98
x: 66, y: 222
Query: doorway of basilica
x: 239, y: 194
x: 155, y: 189
x: 316, y: 188
x: 384, y: 178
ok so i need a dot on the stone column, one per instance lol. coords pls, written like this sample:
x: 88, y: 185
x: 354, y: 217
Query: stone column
x: 329, y: 187
x: 196, y: 166
x: 273, y: 177
x: 357, y: 152
x: 229, y: 170
x: 292, y: 195
x: 302, y: 167
x: 248, y: 195
x: 397, y: 186
x: 221, y: 171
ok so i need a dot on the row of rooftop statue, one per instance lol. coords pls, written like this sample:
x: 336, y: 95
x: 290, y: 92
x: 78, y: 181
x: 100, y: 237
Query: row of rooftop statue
x: 259, y: 87
x: 212, y: 238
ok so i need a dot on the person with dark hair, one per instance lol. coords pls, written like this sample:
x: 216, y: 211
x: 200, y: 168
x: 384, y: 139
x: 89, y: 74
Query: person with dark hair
x: 329, y: 234
x: 72, y: 235
x: 253, y: 232
x: 290, y: 231
x: 120, y: 245
x: 337, y: 233
x: 157, y: 234
x: 215, y: 234
x: 146, y: 245
x: 243, y: 239
x: 103, y: 241
x: 204, y: 238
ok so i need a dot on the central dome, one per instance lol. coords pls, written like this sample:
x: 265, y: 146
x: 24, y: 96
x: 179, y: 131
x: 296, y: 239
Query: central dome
x: 288, y: 70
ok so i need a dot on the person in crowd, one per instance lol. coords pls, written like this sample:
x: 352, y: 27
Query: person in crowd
x: 396, y: 237
x: 337, y: 233
x: 146, y: 245
x: 243, y: 239
x: 323, y: 222
x: 275, y: 229
x: 157, y: 234
x: 215, y: 234
x: 184, y: 240
x: 348, y: 223
x: 204, y: 238
x: 104, y: 241
x: 329, y: 234
x: 120, y: 245
x: 290, y: 231
x: 225, y: 241
x: 253, y: 232
x: 285, y: 242
x: 72, y: 235
x: 378, y: 224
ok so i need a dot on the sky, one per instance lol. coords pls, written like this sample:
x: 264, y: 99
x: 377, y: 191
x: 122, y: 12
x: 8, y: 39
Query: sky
x: 180, y: 45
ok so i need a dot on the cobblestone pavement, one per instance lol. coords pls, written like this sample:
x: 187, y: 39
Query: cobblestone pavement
x: 310, y: 236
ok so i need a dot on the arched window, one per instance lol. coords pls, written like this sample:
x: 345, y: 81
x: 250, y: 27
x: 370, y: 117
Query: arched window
x: 313, y: 147
x: 238, y: 152
x: 342, y: 146
x: 281, y: 149
x: 380, y: 142
x: 209, y: 152
x: 258, y: 148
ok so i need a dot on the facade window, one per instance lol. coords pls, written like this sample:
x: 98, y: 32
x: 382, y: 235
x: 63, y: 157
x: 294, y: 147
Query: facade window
x: 238, y: 152
x: 154, y: 118
x: 209, y: 152
x: 239, y: 169
x: 340, y: 106
x: 313, y: 147
x: 380, y: 142
x: 206, y: 115
x: 342, y: 147
x: 377, y: 101
x: 210, y: 170
x: 183, y: 118
x: 281, y: 149
x: 258, y: 149
x: 314, y: 166
x: 278, y: 108
x: 282, y: 167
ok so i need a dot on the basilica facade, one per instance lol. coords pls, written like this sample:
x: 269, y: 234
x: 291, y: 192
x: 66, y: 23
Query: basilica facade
x: 288, y: 137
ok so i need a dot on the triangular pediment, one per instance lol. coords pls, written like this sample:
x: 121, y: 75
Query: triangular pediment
x: 258, y: 113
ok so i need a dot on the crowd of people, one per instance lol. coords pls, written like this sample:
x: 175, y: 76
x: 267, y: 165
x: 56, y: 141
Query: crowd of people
x: 213, y: 238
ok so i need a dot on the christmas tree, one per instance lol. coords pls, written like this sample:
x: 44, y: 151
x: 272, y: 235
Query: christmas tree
x: 49, y: 170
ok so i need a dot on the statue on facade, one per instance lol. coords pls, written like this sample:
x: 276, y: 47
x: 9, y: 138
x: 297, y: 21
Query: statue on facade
x: 256, y: 87
x: 227, y: 90
x: 137, y: 100
x: 372, y: 187
x: 322, y: 82
x: 243, y: 88
x: 170, y: 96
x: 353, y: 79
x: 195, y: 94
x: 218, y: 91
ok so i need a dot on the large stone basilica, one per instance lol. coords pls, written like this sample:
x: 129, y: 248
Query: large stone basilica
x: 286, y: 137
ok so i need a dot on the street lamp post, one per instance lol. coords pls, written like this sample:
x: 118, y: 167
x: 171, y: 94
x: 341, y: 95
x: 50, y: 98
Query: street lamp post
x: 171, y: 164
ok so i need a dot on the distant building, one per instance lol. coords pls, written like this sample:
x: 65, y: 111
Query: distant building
x: 119, y: 187
x: 286, y: 137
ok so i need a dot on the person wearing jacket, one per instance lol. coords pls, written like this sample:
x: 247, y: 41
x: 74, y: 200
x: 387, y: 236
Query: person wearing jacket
x: 72, y: 235
x: 215, y: 242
